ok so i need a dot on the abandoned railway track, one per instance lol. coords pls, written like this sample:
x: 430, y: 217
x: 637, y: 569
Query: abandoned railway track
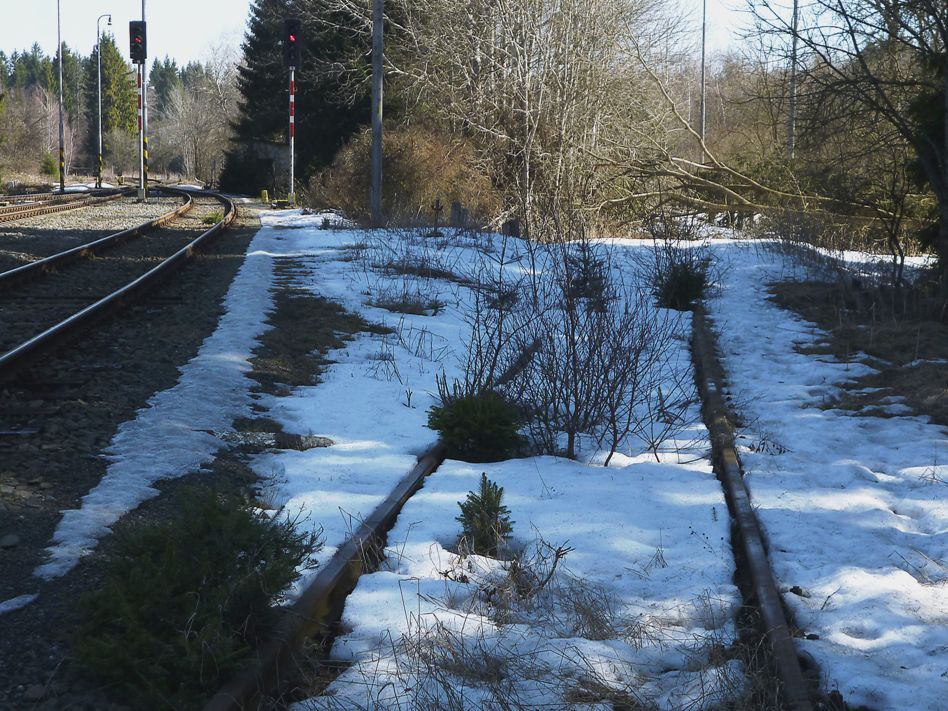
x: 39, y: 314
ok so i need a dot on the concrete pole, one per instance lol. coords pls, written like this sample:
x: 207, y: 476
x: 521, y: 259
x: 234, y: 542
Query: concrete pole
x: 792, y: 114
x: 704, y: 22
x: 98, y: 51
x: 62, y: 124
x: 378, y: 44
x: 292, y: 194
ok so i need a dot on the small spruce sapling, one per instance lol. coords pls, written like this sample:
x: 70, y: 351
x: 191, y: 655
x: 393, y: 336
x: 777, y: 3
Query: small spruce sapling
x: 477, y: 427
x: 485, y: 519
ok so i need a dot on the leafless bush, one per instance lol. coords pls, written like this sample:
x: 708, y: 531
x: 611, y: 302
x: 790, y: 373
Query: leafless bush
x: 602, y: 354
x: 422, y: 168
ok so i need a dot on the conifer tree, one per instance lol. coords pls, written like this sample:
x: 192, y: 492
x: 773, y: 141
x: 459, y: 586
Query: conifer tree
x: 164, y: 79
x: 327, y: 112
x: 119, y: 96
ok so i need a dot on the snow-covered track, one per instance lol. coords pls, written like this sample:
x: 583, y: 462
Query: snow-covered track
x: 49, y: 203
x: 320, y: 606
x: 760, y: 587
x: 51, y: 336
x: 46, y: 265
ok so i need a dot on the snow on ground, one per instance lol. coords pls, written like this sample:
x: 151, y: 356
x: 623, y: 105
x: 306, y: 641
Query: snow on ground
x: 173, y: 435
x: 855, y: 508
x: 650, y: 538
x: 16, y: 603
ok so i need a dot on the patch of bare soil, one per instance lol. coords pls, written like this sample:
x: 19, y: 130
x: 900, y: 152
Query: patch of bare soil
x: 903, y: 335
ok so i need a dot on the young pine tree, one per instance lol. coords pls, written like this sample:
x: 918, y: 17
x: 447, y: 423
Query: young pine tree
x: 485, y: 519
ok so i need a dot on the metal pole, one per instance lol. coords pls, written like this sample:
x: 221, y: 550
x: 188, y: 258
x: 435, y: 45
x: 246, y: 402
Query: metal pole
x: 704, y: 22
x: 292, y: 194
x: 144, y: 122
x: 378, y: 13
x: 141, y: 142
x: 792, y: 117
x: 62, y: 125
x: 98, y: 51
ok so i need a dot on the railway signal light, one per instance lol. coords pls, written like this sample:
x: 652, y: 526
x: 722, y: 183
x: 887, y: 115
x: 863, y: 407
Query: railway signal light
x: 291, y: 42
x: 139, y: 44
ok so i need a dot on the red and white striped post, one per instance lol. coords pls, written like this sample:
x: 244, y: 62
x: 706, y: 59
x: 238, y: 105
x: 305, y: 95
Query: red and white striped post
x: 141, y: 138
x: 292, y: 196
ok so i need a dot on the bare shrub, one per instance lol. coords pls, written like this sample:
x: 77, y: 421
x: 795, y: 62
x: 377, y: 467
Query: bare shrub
x: 601, y: 358
x: 422, y: 168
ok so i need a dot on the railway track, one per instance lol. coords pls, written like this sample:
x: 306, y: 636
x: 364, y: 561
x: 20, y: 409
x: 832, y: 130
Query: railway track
x: 45, y: 265
x: 319, y: 608
x: 24, y: 207
x: 39, y: 314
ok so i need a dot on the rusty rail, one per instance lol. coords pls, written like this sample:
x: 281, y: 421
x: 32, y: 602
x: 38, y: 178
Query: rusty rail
x: 320, y: 605
x: 776, y: 632
x: 23, y: 354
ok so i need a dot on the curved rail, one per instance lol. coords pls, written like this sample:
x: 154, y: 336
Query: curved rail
x: 21, y: 355
x: 20, y: 212
x: 45, y: 265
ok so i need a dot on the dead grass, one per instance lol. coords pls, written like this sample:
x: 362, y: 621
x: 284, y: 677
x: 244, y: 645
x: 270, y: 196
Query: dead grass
x: 415, y: 304
x: 903, y: 335
x: 305, y: 328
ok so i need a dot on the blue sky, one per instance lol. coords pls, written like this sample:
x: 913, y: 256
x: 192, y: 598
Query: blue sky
x: 725, y: 19
x: 23, y: 22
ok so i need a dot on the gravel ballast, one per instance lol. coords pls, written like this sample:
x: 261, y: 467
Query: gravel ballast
x: 37, y: 237
x: 56, y: 418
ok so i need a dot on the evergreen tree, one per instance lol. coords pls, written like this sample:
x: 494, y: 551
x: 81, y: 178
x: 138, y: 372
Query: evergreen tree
x: 163, y: 79
x: 33, y: 69
x: 4, y: 72
x: 119, y: 95
x: 73, y: 73
x: 326, y: 115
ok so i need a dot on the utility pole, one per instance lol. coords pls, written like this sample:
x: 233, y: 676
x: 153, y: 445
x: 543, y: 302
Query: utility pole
x: 704, y: 23
x: 62, y: 125
x: 98, y: 52
x: 792, y: 115
x: 378, y: 13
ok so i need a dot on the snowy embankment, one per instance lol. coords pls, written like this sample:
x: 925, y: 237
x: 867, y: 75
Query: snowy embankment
x: 855, y: 507
x: 642, y: 605
x: 174, y: 434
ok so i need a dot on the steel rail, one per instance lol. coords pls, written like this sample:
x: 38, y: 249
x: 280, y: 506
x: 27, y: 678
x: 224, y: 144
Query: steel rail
x: 762, y: 588
x: 321, y: 603
x: 8, y: 203
x: 45, y: 265
x: 23, y: 354
x: 27, y: 212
